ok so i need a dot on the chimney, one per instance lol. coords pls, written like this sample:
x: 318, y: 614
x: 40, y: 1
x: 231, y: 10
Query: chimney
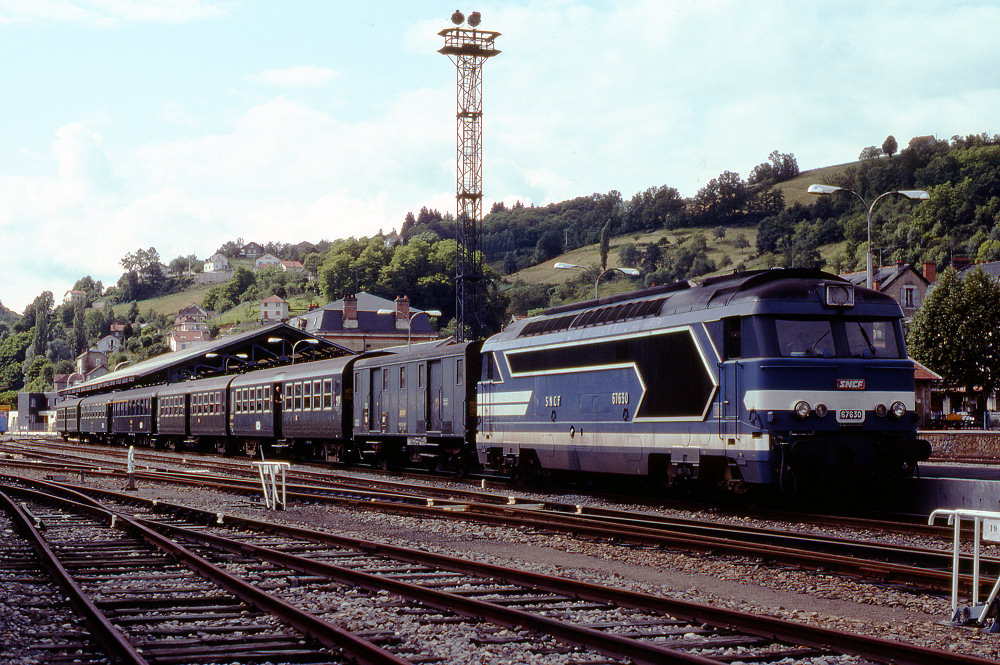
x: 900, y: 266
x: 930, y: 271
x: 350, y: 311
x: 960, y: 263
x: 402, y: 313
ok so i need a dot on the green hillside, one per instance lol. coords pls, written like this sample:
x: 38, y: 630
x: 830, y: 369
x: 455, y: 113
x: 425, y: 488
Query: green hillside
x: 794, y: 190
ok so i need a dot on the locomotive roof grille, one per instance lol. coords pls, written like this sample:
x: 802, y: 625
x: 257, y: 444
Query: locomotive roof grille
x: 639, y: 309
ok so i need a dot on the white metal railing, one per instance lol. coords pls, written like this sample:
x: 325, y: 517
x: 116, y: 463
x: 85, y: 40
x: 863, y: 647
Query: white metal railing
x: 274, y: 490
x: 985, y: 526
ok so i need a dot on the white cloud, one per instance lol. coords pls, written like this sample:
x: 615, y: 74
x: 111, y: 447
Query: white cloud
x: 585, y: 97
x: 302, y: 76
x: 108, y: 12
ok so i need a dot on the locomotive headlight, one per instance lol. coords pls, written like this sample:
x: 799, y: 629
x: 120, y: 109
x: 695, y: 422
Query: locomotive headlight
x: 801, y: 409
x: 898, y: 409
x: 821, y: 410
x: 880, y: 410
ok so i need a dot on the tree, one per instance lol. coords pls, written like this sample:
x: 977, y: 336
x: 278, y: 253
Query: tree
x: 629, y: 255
x: 889, y: 146
x: 871, y: 152
x: 955, y: 333
x: 605, y: 244
x: 42, y: 307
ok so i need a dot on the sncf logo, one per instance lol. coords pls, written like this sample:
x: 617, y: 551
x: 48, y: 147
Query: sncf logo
x: 850, y: 384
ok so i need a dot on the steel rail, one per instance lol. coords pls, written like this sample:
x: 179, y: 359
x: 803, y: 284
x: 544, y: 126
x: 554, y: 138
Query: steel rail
x: 117, y: 646
x: 767, y: 627
x: 326, y: 633
x: 580, y: 525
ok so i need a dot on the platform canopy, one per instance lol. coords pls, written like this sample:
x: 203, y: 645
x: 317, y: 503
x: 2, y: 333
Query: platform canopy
x: 278, y: 344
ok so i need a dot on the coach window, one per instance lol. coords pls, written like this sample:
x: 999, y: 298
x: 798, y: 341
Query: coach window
x: 458, y: 371
x: 298, y: 396
x: 317, y: 395
x: 385, y: 378
x: 420, y: 375
x: 327, y: 393
x: 307, y: 395
x: 402, y: 378
x: 288, y: 397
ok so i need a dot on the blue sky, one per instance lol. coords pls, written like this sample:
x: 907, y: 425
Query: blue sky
x: 181, y: 124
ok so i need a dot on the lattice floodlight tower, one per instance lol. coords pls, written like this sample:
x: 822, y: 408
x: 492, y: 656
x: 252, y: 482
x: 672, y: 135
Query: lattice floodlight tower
x: 469, y: 48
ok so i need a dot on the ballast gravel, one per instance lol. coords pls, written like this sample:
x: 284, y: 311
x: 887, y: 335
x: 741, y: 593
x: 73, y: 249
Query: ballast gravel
x: 740, y: 583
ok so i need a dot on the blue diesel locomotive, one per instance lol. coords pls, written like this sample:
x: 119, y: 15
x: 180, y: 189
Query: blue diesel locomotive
x: 782, y: 376
x: 793, y: 378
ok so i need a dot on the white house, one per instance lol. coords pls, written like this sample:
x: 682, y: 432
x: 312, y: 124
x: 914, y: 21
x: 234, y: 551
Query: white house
x: 273, y: 308
x: 217, y: 263
x: 267, y: 261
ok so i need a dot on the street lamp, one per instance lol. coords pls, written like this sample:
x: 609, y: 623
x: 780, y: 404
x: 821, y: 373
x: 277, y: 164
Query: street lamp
x: 915, y: 194
x: 631, y: 272
x: 314, y: 342
x: 409, y: 322
x: 238, y: 356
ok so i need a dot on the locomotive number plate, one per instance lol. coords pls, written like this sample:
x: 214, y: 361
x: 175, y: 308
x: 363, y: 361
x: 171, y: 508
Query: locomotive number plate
x: 855, y: 415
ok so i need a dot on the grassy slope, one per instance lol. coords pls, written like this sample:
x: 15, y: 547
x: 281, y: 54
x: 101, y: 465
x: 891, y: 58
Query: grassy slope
x: 170, y: 304
x: 794, y: 191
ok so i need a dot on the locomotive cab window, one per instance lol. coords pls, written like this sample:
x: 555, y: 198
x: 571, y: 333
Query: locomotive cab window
x: 872, y: 339
x: 805, y: 338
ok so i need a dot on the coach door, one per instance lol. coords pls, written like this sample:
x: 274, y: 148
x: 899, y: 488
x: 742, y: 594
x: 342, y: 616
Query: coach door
x: 421, y: 417
x: 374, y: 400
x: 435, y: 395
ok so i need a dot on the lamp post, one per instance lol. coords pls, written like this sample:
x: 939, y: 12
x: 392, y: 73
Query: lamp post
x: 631, y: 272
x: 121, y: 364
x: 409, y: 322
x: 314, y: 342
x: 278, y: 340
x: 239, y: 356
x: 915, y: 194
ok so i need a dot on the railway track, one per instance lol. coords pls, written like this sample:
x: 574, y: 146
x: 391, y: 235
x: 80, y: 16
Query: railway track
x: 149, y: 600
x: 921, y: 569
x: 267, y: 564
